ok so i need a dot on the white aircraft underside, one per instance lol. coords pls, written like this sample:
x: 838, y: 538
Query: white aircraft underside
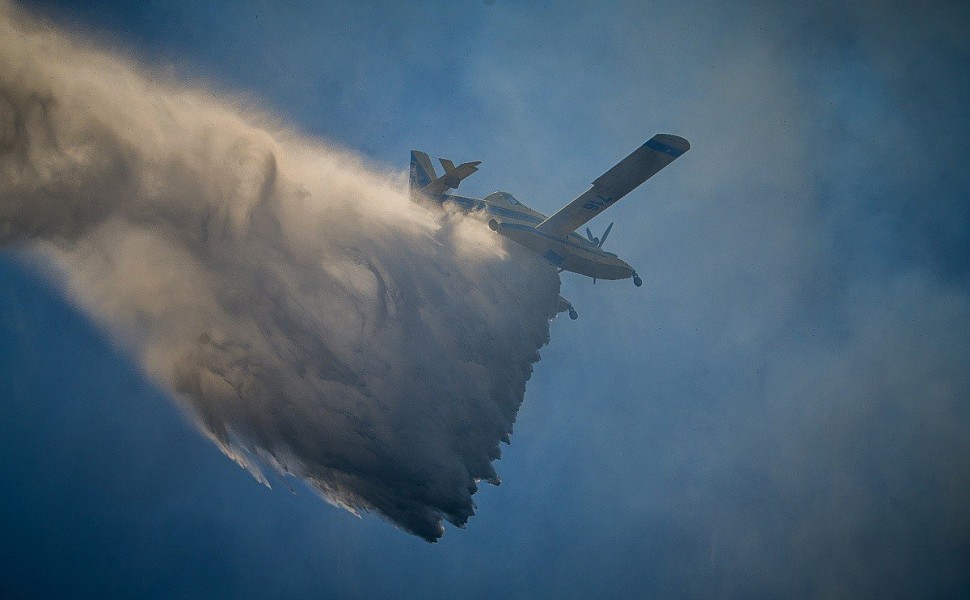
x: 554, y: 237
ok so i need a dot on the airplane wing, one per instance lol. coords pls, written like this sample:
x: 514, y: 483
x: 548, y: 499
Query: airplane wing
x: 645, y: 162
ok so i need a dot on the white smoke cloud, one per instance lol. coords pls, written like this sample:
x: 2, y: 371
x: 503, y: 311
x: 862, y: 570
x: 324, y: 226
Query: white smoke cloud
x: 301, y: 308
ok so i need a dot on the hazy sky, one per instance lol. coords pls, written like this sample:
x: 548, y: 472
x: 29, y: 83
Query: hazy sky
x: 781, y: 410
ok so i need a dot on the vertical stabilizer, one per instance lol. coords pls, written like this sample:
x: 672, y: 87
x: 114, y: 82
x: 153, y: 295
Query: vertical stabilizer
x: 424, y: 179
x: 422, y: 171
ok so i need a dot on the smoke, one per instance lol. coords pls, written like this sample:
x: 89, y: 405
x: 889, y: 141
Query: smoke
x: 307, y: 315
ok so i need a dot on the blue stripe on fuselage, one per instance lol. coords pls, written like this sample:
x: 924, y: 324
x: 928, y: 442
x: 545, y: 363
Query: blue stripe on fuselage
x: 553, y: 257
x: 590, y: 248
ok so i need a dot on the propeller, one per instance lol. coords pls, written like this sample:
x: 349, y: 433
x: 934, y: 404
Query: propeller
x: 598, y: 242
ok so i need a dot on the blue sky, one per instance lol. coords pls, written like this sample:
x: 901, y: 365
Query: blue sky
x: 781, y: 410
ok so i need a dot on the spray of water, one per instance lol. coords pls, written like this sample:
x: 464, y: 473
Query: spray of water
x: 308, y: 316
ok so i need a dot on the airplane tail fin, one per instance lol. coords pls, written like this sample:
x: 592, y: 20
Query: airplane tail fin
x: 422, y: 171
x: 425, y: 180
x: 447, y: 165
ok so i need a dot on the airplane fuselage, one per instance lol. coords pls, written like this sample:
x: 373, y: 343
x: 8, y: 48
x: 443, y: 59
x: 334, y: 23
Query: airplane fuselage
x: 554, y: 238
x: 516, y: 221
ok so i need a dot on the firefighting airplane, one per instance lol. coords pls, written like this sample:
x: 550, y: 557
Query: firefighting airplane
x: 554, y: 237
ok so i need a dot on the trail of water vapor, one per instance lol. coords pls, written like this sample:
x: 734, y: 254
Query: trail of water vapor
x: 306, y: 313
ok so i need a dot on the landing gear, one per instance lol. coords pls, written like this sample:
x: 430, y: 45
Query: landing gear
x: 636, y: 280
x: 566, y: 306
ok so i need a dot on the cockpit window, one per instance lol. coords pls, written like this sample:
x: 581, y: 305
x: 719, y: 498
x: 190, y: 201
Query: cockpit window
x: 503, y: 196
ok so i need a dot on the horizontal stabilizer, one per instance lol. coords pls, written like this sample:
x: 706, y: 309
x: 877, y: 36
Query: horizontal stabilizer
x: 642, y: 164
x: 424, y: 179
